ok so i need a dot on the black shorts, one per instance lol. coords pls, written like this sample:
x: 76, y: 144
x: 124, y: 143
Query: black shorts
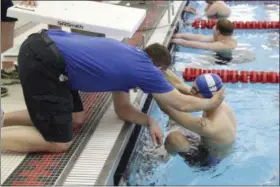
x: 49, y: 99
x: 5, y: 4
x: 222, y: 60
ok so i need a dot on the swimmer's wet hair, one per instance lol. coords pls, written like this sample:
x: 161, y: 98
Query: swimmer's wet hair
x: 159, y: 55
x: 225, y: 27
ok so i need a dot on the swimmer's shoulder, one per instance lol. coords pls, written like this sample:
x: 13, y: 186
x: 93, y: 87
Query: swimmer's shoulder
x: 231, y: 45
x: 234, y: 43
x: 223, y: 111
x: 221, y: 4
x: 227, y: 46
x: 226, y: 107
x: 218, y: 3
x: 229, y: 113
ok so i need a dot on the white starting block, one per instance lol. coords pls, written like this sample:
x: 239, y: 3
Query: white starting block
x: 108, y: 19
x: 89, y: 16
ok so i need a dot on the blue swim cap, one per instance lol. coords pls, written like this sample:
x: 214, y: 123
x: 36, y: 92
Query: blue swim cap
x: 208, y: 83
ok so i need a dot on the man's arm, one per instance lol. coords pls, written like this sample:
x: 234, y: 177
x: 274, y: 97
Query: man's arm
x: 187, y: 103
x: 126, y: 111
x: 184, y: 88
x: 194, y: 37
x: 215, y: 46
x: 177, y: 83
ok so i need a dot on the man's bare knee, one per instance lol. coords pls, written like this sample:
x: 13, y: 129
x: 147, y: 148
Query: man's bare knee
x: 59, y: 147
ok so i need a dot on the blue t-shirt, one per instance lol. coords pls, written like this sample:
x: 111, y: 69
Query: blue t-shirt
x: 95, y: 64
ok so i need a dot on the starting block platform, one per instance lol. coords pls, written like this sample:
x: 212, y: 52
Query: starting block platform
x: 89, y: 16
x: 121, y: 21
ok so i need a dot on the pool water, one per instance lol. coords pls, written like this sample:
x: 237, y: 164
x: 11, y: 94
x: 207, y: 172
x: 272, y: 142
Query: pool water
x: 255, y: 159
x: 257, y: 49
x: 262, y: 46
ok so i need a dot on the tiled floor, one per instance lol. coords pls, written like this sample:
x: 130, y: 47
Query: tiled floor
x: 45, y: 168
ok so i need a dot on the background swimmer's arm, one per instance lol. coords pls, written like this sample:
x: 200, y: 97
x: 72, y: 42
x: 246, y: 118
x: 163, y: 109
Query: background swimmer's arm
x: 211, y: 10
x: 187, y: 103
x: 193, y: 37
x: 216, y: 46
x: 190, y: 9
x: 207, y: 7
x: 177, y: 83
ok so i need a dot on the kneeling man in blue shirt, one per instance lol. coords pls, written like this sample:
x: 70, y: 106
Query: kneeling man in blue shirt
x: 54, y: 65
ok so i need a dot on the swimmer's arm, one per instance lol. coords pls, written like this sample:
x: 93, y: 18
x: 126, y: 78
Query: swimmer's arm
x: 177, y: 83
x: 216, y: 46
x: 187, y: 103
x: 193, y: 37
x: 199, y: 125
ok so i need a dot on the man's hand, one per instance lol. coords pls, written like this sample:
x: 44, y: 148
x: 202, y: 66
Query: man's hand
x: 26, y: 3
x: 155, y: 133
x: 217, y: 99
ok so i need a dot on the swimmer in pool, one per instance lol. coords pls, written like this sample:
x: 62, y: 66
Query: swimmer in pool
x: 222, y: 41
x: 240, y: 55
x: 214, y: 9
x: 217, y: 9
x: 202, y: 141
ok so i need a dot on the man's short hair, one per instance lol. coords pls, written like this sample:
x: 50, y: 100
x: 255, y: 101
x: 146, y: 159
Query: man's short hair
x: 225, y: 27
x: 159, y: 55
